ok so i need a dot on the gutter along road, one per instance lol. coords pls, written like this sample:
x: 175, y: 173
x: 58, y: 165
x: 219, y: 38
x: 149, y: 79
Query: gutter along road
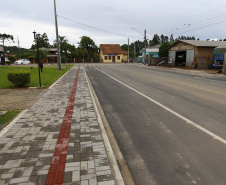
x: 170, y: 127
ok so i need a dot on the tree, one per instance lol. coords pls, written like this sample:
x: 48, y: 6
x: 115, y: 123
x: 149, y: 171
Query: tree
x: 156, y: 39
x: 87, y: 44
x: 163, y: 49
x: 171, y: 38
x: 139, y: 46
x: 43, y: 42
x: 164, y: 38
x: 4, y: 37
x: 124, y: 47
x: 42, y: 54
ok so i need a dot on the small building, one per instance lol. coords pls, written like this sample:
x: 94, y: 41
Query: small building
x: 112, y: 53
x: 193, y: 53
x: 151, y: 52
x: 52, y: 54
x: 2, y: 56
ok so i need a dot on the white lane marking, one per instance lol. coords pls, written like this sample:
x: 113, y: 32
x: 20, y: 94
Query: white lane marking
x: 170, y: 110
x: 209, y: 79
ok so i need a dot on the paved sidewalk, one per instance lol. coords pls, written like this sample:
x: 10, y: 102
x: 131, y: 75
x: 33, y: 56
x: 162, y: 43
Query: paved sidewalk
x: 58, y: 140
x: 19, y: 99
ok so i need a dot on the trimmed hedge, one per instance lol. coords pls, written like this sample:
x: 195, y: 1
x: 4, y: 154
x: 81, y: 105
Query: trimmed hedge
x: 8, y: 62
x: 19, y: 77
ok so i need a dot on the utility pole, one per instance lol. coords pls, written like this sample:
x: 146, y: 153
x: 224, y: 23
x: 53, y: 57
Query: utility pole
x: 134, y: 52
x: 145, y: 47
x: 128, y: 49
x: 57, y: 38
x: 19, y: 46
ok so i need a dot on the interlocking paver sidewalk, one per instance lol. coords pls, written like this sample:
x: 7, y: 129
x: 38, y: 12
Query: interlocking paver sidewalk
x: 32, y: 144
x: 19, y: 99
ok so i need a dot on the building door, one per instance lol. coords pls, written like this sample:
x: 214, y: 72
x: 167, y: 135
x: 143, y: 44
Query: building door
x: 113, y: 58
x: 189, y: 57
x: 172, y: 58
x: 180, y: 58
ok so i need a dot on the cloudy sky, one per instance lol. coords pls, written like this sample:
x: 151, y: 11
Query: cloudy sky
x: 112, y: 20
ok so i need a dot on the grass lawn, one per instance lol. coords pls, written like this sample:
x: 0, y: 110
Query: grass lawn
x: 48, y: 76
x: 9, y: 115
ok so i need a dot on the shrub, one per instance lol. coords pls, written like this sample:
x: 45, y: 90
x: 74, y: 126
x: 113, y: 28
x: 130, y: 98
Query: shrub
x: 8, y: 62
x: 19, y: 77
x: 12, y: 58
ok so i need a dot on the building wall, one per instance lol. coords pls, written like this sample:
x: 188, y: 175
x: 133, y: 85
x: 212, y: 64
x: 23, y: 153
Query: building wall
x: 203, y: 52
x: 148, y: 54
x: 124, y: 57
x: 181, y: 46
x: 109, y: 58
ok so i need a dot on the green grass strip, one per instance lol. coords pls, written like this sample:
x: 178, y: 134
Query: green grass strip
x: 48, y: 76
x: 9, y: 115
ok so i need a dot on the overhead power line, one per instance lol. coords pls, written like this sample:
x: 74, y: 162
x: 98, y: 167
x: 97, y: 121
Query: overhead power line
x: 98, y: 28
x: 201, y: 27
x: 203, y: 20
x: 206, y: 14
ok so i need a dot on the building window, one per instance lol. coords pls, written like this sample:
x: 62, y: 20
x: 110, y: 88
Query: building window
x: 109, y: 57
x: 105, y: 57
x: 118, y: 57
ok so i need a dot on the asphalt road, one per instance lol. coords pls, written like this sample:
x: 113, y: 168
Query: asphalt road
x: 170, y: 127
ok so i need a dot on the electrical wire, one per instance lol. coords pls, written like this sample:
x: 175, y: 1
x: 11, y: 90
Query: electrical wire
x: 200, y: 16
x: 201, y: 27
x: 206, y: 19
x: 97, y: 28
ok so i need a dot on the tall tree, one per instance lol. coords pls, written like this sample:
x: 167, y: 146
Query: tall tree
x: 87, y: 44
x: 4, y: 37
x: 43, y: 42
x: 163, y: 49
x: 171, y: 38
x: 156, y: 39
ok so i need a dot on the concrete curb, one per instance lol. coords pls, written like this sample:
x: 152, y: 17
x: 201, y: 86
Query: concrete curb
x: 115, y: 168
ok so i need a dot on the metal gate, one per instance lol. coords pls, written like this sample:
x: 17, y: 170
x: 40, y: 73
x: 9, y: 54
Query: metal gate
x: 189, y: 57
x: 172, y: 58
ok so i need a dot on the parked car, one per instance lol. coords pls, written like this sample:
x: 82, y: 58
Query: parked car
x: 22, y: 61
x: 128, y: 61
x: 6, y: 59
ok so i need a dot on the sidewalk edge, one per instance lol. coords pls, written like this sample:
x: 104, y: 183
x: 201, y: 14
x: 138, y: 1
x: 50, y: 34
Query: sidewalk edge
x: 114, y: 154
x: 8, y: 126
x: 50, y: 87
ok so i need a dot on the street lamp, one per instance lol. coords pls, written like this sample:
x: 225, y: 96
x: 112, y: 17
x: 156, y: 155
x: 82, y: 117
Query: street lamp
x: 37, y: 37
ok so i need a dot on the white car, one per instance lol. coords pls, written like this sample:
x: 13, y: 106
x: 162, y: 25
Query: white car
x: 22, y: 61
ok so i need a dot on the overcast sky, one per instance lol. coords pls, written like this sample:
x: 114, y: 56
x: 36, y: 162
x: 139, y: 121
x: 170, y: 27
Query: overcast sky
x: 21, y: 17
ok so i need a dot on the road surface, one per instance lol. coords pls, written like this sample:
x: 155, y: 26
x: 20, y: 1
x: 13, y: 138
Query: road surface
x: 170, y: 127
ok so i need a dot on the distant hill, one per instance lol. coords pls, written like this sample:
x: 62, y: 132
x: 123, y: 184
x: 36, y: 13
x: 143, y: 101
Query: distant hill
x: 15, y: 49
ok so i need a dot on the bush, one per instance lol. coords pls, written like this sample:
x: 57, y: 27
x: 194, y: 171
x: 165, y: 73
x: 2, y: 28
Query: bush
x: 19, y: 77
x: 8, y: 62
x: 12, y: 58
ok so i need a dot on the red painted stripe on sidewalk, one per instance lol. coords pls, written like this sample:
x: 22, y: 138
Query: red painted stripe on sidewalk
x: 57, y: 167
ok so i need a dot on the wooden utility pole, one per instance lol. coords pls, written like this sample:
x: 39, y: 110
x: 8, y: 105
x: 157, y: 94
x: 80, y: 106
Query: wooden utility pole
x: 134, y: 52
x: 145, y: 47
x: 128, y: 49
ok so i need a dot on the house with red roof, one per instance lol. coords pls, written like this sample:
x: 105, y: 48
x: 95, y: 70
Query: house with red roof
x: 112, y: 53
